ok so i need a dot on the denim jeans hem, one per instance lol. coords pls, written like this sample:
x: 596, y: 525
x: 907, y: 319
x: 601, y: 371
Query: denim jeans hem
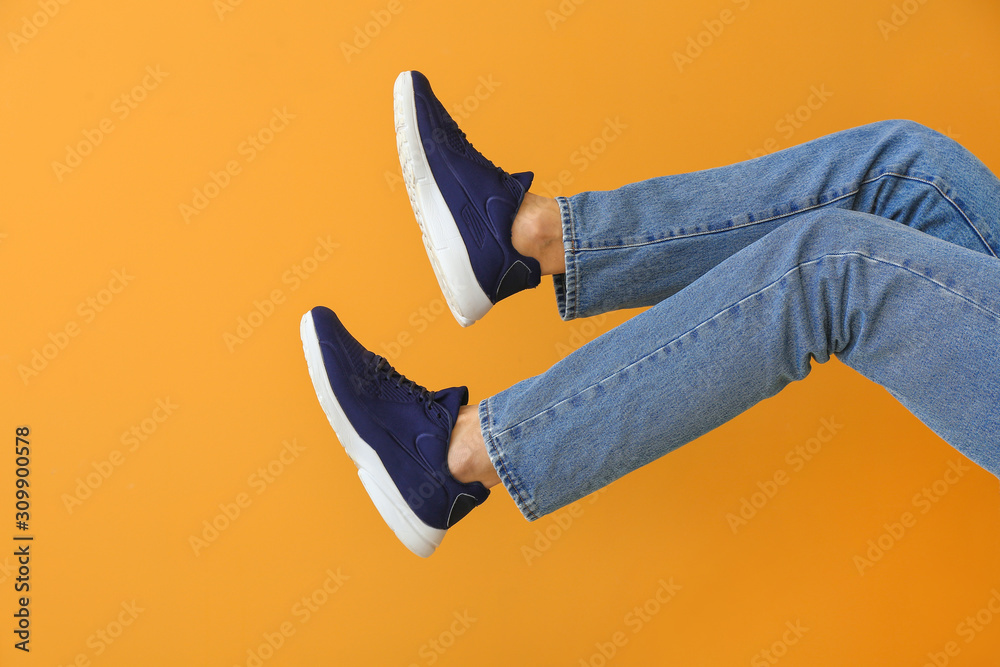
x: 876, y: 244
x: 502, y: 464
x: 567, y: 285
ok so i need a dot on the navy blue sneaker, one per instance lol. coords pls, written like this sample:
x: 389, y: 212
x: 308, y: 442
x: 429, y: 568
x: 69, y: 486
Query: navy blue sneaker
x: 394, y: 430
x: 465, y: 205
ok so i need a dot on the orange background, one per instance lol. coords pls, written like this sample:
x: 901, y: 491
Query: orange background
x: 500, y: 590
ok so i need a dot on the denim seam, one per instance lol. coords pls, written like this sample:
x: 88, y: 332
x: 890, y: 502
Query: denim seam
x: 514, y: 487
x: 571, y: 277
x: 958, y: 208
x: 796, y: 212
x: 776, y: 281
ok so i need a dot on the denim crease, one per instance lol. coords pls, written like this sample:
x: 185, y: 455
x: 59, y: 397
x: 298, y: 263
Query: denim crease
x: 877, y: 245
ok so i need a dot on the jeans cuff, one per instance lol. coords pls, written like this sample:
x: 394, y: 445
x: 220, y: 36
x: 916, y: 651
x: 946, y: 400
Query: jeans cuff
x: 567, y: 284
x: 506, y: 471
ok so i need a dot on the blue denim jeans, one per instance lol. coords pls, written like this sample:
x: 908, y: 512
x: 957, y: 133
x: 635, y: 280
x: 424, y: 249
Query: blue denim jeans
x: 877, y: 244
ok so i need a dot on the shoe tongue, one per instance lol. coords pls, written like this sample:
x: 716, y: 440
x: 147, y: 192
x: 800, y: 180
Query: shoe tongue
x: 451, y: 400
x: 524, y: 178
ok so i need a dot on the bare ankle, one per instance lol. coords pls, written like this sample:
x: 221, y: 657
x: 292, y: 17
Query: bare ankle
x: 468, y: 459
x: 537, y: 233
x: 460, y: 461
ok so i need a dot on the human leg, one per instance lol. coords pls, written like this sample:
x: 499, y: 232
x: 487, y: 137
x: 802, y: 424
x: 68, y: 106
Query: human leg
x: 638, y: 244
x: 858, y: 287
x: 916, y: 314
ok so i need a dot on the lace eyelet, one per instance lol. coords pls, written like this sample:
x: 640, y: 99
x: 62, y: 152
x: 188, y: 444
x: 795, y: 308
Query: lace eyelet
x: 382, y: 368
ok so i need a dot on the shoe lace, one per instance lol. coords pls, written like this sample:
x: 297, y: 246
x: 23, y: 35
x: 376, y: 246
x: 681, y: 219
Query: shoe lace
x: 384, y: 368
x: 471, y: 150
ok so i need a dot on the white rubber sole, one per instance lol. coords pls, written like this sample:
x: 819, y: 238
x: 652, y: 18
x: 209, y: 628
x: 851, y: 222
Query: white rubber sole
x: 445, y: 246
x: 418, y: 537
